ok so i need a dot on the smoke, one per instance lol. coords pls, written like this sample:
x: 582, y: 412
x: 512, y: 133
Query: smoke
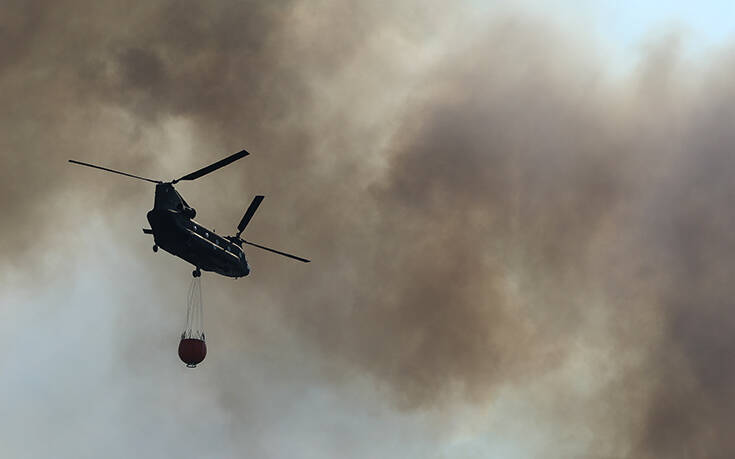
x: 488, y: 208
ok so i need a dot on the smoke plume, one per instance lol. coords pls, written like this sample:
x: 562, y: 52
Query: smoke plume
x: 487, y: 205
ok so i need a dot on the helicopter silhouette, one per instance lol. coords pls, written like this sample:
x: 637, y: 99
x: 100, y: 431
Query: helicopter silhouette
x: 174, y: 229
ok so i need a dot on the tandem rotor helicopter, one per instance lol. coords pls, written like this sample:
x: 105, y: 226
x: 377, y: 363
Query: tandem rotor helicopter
x: 174, y: 229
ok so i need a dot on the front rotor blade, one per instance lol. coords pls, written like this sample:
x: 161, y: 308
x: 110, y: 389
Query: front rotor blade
x: 276, y: 251
x: 213, y: 167
x: 113, y: 171
x: 249, y: 214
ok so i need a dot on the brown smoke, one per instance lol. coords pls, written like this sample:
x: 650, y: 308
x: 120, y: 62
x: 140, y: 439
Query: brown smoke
x: 475, y: 219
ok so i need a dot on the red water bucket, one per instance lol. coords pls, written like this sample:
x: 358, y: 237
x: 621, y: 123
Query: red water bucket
x: 192, y: 351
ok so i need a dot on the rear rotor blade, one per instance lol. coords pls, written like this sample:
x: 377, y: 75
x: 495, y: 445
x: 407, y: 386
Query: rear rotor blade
x: 113, y: 171
x: 214, y: 166
x: 249, y: 214
x: 276, y: 251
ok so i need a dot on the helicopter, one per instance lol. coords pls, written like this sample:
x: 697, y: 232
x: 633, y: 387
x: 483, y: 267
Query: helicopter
x: 174, y: 229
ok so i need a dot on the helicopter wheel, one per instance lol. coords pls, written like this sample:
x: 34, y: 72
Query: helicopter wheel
x: 155, y: 248
x: 196, y: 273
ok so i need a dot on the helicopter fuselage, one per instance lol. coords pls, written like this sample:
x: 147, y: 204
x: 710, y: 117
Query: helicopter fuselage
x: 175, y: 231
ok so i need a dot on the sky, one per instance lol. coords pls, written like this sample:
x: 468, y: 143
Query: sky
x: 627, y: 22
x: 624, y: 28
x: 519, y: 217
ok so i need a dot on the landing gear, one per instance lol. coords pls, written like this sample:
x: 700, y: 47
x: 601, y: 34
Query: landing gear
x: 155, y: 248
x: 196, y: 273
